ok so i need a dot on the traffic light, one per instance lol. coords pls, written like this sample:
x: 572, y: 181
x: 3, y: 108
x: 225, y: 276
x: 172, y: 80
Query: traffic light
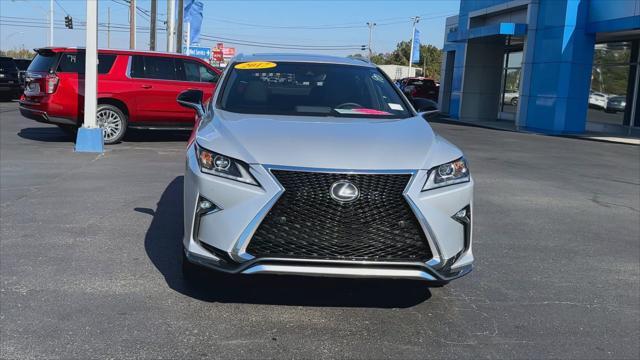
x: 68, y: 22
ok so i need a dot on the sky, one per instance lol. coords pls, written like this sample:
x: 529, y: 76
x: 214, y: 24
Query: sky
x: 330, y: 23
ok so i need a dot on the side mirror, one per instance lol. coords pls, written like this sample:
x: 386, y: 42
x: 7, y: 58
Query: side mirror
x: 192, y: 99
x: 425, y: 107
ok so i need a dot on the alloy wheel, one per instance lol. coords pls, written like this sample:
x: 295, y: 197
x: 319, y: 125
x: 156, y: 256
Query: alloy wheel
x: 110, y: 122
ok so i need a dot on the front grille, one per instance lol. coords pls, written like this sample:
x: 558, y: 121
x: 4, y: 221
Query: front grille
x: 306, y: 222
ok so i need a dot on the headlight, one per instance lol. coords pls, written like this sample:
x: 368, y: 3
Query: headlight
x: 224, y: 166
x: 454, y: 172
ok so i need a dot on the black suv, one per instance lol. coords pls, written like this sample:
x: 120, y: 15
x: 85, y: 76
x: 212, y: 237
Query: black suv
x: 23, y: 65
x: 9, y: 80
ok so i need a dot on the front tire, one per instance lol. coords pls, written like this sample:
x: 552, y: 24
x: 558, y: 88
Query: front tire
x: 113, y: 123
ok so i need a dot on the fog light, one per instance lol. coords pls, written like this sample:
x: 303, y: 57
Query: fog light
x: 461, y: 214
x: 205, y: 204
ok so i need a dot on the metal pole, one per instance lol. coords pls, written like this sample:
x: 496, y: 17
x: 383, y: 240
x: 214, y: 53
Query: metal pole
x: 370, y: 25
x: 51, y: 23
x: 108, y: 27
x: 424, y: 67
x: 180, y: 23
x: 634, y: 105
x: 91, y: 66
x: 152, y: 25
x: 413, y: 33
x: 132, y: 24
x: 170, y: 22
x: 188, y: 37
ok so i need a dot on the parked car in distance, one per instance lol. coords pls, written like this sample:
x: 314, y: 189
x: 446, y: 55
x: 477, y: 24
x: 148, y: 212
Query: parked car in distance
x: 420, y: 87
x: 511, y: 97
x: 331, y: 173
x: 597, y: 99
x: 615, y: 104
x: 9, y: 79
x: 23, y: 65
x: 135, y: 89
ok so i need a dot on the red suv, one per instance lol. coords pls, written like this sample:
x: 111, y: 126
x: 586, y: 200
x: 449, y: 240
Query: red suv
x: 420, y: 87
x: 136, y: 89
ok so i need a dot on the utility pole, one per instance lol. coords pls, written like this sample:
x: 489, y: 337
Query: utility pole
x: 154, y: 11
x: 188, y: 37
x: 370, y: 25
x: 180, y: 34
x: 170, y: 25
x: 132, y: 24
x: 50, y: 22
x: 415, y: 20
x: 109, y: 27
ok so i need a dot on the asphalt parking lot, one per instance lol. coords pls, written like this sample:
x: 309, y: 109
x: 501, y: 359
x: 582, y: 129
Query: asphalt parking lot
x: 90, y: 261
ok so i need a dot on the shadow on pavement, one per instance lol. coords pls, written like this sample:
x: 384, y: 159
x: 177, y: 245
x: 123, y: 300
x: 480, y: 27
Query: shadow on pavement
x: 163, y: 244
x: 55, y: 134
x: 46, y: 134
x: 144, y: 135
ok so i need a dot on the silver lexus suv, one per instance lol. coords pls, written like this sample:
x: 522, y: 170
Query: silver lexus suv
x: 320, y: 166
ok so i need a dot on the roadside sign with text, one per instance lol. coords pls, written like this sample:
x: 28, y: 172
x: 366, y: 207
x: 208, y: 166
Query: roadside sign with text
x: 218, y: 55
x: 197, y: 51
x: 229, y: 52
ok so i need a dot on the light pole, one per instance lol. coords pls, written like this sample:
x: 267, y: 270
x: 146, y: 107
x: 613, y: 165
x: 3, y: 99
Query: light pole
x: 50, y: 22
x: 170, y: 26
x: 108, y: 27
x: 370, y: 25
x: 415, y: 20
x: 132, y: 24
x: 90, y: 135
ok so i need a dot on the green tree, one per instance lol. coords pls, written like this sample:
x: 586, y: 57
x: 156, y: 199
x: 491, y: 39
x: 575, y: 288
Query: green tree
x: 18, y: 53
x: 430, y: 58
x: 611, y: 69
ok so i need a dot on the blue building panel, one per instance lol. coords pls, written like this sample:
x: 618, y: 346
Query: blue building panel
x: 559, y: 41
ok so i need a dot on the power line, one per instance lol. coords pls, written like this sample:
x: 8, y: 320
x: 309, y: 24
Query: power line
x: 139, y: 10
x: 349, y: 25
x: 124, y: 29
x: 63, y: 9
x: 39, y: 23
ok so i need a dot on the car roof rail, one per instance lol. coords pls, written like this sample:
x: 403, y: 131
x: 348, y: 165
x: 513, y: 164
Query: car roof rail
x: 362, y: 59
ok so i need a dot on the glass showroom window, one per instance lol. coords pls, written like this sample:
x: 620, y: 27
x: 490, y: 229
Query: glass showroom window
x: 613, y: 83
x: 512, y: 66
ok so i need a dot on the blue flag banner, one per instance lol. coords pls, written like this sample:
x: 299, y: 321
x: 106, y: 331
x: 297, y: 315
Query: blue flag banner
x: 193, y: 15
x: 416, y: 46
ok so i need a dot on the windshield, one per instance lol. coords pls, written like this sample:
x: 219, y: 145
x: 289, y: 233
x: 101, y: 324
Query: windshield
x: 311, y: 89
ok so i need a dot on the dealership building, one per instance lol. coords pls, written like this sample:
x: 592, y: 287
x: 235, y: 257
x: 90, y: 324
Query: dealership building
x: 551, y: 66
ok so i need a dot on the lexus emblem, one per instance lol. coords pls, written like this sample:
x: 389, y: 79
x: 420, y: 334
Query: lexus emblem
x: 344, y: 191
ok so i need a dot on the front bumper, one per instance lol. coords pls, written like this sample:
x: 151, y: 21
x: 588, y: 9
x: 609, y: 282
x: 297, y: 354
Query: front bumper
x: 219, y: 239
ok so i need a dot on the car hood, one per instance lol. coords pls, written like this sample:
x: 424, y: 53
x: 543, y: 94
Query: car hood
x: 325, y: 142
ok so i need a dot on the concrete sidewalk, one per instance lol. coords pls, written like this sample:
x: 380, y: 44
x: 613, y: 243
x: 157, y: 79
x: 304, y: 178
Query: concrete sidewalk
x: 632, y: 138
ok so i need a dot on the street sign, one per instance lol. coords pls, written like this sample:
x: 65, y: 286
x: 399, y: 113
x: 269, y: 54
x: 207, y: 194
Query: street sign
x: 197, y: 51
x: 218, y: 55
x: 228, y: 53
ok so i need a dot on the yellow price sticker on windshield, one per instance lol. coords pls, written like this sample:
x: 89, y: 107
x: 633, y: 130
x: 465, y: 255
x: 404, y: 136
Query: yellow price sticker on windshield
x: 252, y: 65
